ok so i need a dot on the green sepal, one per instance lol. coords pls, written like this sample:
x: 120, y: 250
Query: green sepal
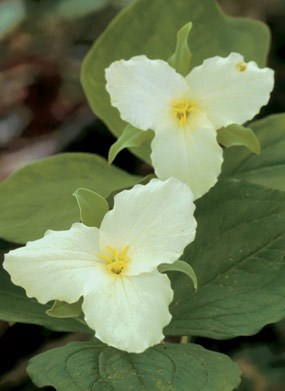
x: 181, y: 58
x: 130, y: 138
x: 238, y: 135
x: 266, y: 169
x: 61, y: 309
x: 180, y: 266
x: 92, y: 206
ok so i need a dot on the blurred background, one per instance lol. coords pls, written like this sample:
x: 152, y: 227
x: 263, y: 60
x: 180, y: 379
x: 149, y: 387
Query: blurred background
x: 43, y: 111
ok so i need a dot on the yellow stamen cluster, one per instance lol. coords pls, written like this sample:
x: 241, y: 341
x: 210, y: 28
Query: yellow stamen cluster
x: 241, y: 66
x: 117, y: 259
x: 181, y: 110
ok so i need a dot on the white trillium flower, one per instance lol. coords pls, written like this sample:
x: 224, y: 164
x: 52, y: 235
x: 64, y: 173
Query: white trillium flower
x: 185, y: 113
x: 114, y: 268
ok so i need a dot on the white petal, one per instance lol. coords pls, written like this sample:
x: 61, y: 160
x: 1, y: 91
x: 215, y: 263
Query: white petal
x: 58, y: 266
x: 129, y: 313
x: 156, y: 222
x: 191, y: 155
x: 228, y: 95
x: 142, y: 90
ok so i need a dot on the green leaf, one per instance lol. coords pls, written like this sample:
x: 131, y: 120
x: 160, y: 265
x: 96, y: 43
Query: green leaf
x: 131, y: 137
x: 85, y: 366
x: 181, y: 58
x: 238, y: 257
x: 238, y: 135
x: 15, y: 306
x: 92, y: 206
x: 39, y: 196
x: 267, y: 169
x: 61, y: 309
x: 150, y: 27
x: 180, y: 266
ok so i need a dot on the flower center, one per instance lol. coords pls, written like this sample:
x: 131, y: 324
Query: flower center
x: 116, y: 259
x: 241, y: 66
x: 181, y: 110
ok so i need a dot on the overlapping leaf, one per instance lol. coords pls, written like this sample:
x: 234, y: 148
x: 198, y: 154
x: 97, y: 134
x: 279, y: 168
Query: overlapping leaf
x: 85, y: 366
x: 268, y: 168
x: 238, y: 257
x: 39, y: 196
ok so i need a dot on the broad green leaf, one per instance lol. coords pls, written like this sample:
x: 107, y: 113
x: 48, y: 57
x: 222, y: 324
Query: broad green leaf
x: 267, y: 169
x: 150, y: 27
x: 181, y: 58
x: 86, y: 366
x: 131, y: 137
x: 61, y: 309
x: 15, y: 306
x: 238, y: 135
x: 92, y: 206
x: 180, y: 266
x: 238, y: 257
x: 39, y: 196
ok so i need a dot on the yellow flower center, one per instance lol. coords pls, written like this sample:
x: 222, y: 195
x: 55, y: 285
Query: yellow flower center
x: 241, y: 66
x: 181, y: 110
x: 116, y: 259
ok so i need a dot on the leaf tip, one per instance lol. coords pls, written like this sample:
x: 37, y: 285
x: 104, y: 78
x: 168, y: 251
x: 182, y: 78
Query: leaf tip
x: 111, y: 156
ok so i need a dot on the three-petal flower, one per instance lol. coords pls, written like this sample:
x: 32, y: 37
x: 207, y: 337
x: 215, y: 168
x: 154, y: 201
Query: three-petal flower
x: 186, y: 112
x: 114, y: 268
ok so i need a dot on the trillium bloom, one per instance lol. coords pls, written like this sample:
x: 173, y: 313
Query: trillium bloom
x: 114, y: 268
x: 185, y: 113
